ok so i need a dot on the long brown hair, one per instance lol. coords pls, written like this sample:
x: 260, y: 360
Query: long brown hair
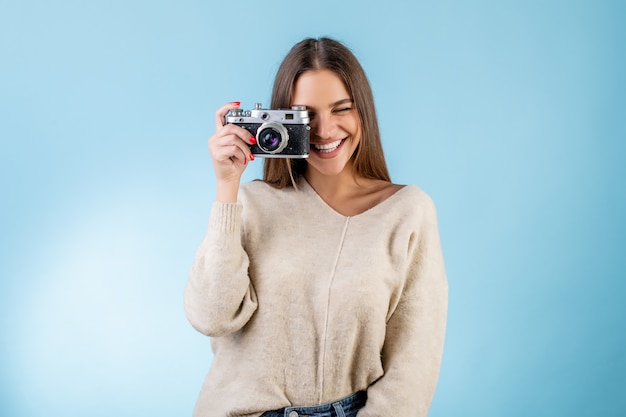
x: 325, y: 53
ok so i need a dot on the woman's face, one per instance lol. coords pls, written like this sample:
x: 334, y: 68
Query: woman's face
x: 335, y: 124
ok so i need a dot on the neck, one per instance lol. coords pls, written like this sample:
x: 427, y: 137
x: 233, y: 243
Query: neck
x: 332, y: 186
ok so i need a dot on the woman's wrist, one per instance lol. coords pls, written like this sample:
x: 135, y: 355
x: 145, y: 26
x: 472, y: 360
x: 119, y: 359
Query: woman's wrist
x: 227, y: 191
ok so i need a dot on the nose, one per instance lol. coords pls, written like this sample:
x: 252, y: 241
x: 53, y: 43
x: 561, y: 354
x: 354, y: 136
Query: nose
x: 323, y: 126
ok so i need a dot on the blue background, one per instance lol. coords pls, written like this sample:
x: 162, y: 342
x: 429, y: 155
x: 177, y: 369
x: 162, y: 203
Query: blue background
x: 510, y: 114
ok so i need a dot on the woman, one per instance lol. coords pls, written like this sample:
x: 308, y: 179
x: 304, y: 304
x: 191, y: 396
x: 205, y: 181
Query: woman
x: 323, y: 286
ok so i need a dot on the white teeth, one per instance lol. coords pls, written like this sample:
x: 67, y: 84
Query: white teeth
x: 327, y: 147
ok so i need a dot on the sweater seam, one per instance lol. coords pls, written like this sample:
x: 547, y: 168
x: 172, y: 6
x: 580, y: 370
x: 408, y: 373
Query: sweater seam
x: 330, y: 286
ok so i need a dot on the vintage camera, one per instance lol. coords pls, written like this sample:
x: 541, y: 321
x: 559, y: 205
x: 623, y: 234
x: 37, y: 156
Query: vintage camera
x: 278, y: 133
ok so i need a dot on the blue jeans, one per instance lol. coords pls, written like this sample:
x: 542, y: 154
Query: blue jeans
x: 346, y: 407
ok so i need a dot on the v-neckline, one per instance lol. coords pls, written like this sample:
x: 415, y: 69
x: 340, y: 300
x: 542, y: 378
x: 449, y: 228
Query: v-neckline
x: 396, y: 194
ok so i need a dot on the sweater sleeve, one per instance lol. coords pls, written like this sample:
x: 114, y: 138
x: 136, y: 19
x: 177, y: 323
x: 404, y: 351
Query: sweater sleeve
x: 219, y: 297
x: 414, y: 338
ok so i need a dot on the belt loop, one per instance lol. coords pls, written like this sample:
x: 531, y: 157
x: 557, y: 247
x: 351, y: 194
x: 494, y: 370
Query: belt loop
x: 339, y: 409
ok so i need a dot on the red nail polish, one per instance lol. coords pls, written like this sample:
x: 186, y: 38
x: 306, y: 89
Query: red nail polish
x: 252, y: 140
x: 236, y: 103
x: 251, y: 157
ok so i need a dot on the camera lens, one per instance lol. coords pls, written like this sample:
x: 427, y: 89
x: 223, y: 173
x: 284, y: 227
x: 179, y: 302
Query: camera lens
x: 269, y: 140
x: 272, y: 137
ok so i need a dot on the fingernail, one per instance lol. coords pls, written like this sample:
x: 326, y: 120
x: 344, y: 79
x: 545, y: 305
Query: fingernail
x: 236, y: 103
x: 251, y: 157
x: 252, y: 140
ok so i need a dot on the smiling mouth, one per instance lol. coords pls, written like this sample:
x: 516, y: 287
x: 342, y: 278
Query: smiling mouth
x: 328, y: 147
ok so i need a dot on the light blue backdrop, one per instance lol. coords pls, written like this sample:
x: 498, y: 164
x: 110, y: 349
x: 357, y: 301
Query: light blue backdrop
x: 509, y: 113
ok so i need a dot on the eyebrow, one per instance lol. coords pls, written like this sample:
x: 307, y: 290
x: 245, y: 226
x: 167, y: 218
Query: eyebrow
x: 345, y: 100
x: 336, y: 103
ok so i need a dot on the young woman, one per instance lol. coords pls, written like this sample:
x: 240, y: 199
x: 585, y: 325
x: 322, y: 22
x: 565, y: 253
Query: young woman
x: 323, y: 286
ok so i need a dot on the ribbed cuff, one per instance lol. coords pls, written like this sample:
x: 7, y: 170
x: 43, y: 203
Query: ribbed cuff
x: 226, y: 217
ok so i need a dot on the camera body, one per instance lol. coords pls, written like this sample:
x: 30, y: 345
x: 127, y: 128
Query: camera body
x: 279, y: 133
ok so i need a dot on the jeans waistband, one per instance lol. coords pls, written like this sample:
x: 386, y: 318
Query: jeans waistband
x: 339, y: 408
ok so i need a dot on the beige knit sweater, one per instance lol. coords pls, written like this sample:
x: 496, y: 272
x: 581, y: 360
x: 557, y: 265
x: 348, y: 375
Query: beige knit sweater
x: 306, y: 306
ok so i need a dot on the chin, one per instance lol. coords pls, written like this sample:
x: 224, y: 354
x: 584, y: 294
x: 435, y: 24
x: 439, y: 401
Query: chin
x: 327, y: 167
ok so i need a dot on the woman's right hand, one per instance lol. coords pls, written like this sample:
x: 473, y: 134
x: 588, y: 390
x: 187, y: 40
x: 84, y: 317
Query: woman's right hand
x: 230, y: 152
